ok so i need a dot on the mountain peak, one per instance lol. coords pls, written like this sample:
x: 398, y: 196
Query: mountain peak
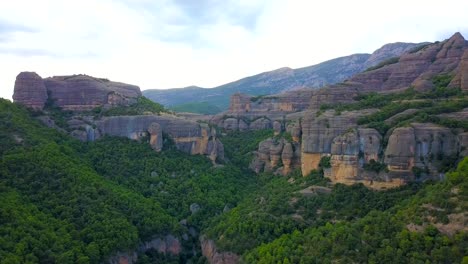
x: 457, y: 36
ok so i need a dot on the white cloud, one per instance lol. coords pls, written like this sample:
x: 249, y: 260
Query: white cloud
x: 164, y: 44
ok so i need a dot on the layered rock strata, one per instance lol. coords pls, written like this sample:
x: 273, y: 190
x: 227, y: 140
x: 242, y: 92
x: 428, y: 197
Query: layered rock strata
x: 277, y: 155
x: 188, y: 136
x: 30, y: 90
x: 75, y: 92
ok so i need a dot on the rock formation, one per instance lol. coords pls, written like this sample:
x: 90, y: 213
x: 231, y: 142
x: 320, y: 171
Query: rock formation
x: 30, y: 90
x: 276, y: 155
x: 82, y: 92
x: 214, y: 256
x: 188, y: 136
x: 166, y: 245
x: 419, y: 145
x: 75, y: 92
x: 156, y: 140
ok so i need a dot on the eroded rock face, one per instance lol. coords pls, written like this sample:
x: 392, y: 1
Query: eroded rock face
x: 260, y: 124
x: 214, y: 256
x: 76, y: 92
x: 319, y: 132
x: 82, y: 92
x: 276, y: 155
x: 399, y: 154
x: 188, y: 136
x: 461, y: 79
x: 156, y: 140
x: 277, y: 127
x: 419, y: 145
x: 344, y: 156
x: 30, y: 90
x: 370, y: 146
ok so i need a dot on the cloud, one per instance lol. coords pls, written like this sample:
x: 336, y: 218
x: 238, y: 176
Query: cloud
x: 8, y: 29
x: 26, y: 52
x: 176, y: 43
x: 186, y: 21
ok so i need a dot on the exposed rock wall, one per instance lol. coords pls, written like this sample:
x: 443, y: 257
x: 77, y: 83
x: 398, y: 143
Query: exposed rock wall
x: 166, y: 245
x: 188, y: 136
x: 421, y: 145
x: 461, y: 79
x: 30, y: 90
x: 277, y: 155
x: 214, y: 256
x: 76, y: 92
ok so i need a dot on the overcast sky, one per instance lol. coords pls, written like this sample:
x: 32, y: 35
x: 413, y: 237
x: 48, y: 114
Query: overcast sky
x: 168, y: 44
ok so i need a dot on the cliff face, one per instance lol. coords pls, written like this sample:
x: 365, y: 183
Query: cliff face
x: 279, y: 156
x: 412, y: 153
x: 359, y: 154
x: 214, y: 256
x: 76, y: 92
x: 188, y: 136
x: 30, y: 90
x: 166, y: 245
x: 82, y: 92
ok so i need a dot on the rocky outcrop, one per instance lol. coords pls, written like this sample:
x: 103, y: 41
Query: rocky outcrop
x: 166, y: 245
x: 388, y: 51
x: 155, y: 133
x: 461, y: 78
x: 421, y: 145
x: 276, y: 155
x: 188, y: 136
x: 318, y: 133
x: 75, y: 92
x: 83, y: 92
x: 214, y: 256
x: 344, y: 156
x: 30, y: 90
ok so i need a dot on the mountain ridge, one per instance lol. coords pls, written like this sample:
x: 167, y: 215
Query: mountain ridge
x: 281, y: 79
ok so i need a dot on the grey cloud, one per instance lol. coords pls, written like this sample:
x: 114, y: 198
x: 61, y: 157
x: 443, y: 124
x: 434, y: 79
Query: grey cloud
x: 7, y: 29
x: 193, y: 16
x: 25, y: 52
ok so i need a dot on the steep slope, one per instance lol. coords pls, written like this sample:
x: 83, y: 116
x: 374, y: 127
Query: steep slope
x: 280, y: 80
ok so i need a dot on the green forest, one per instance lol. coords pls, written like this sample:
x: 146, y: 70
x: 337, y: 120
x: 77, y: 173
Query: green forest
x: 64, y: 201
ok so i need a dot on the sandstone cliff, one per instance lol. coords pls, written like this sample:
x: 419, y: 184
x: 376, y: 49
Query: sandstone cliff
x: 30, y: 90
x: 75, y: 92
x: 165, y: 245
x: 214, y: 256
x: 82, y: 92
x: 188, y: 136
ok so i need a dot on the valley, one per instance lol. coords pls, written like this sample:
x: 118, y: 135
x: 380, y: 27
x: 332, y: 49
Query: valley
x: 370, y: 167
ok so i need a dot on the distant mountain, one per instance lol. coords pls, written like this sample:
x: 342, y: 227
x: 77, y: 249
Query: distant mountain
x: 277, y: 81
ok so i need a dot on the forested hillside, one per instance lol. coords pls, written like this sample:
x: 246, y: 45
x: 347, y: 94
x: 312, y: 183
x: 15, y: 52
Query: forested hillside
x: 64, y: 201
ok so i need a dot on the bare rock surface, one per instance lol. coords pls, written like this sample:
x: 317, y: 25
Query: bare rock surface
x: 30, y: 90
